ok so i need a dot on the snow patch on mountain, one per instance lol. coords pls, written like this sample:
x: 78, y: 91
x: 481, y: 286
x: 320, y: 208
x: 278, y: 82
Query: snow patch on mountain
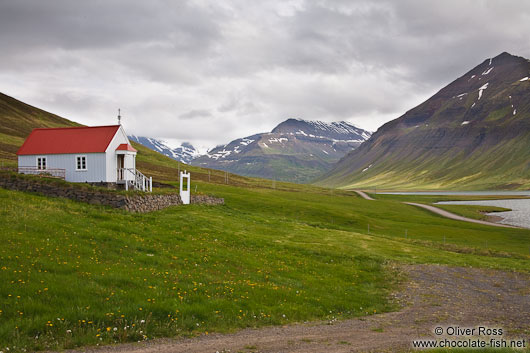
x: 219, y: 154
x: 482, y: 89
x: 487, y: 71
x: 183, y: 153
x: 279, y: 140
x: 245, y: 141
x: 365, y: 169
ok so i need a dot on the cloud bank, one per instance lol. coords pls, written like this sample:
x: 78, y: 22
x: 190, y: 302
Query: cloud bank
x: 210, y: 71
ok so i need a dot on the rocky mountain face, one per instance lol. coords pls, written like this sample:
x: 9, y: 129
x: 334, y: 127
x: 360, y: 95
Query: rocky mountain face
x: 184, y: 153
x: 295, y: 150
x: 473, y: 134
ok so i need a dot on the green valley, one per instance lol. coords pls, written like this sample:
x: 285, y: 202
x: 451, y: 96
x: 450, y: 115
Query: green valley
x: 75, y: 274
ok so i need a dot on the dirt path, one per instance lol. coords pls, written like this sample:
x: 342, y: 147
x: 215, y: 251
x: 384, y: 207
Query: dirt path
x: 364, y: 195
x: 447, y: 214
x: 433, y: 296
x: 441, y: 212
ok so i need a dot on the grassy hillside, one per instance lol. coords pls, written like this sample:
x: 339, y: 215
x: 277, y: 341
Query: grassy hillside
x: 17, y: 119
x: 77, y: 274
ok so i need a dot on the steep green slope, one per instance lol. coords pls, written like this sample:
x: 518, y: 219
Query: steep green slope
x: 17, y: 119
x: 472, y: 134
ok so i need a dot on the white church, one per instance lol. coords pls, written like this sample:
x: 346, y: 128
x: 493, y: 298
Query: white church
x: 99, y: 154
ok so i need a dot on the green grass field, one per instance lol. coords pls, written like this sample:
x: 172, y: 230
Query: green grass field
x: 76, y: 274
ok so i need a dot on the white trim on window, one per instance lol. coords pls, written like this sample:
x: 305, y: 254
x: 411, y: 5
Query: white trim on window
x: 81, y: 163
x: 41, y: 162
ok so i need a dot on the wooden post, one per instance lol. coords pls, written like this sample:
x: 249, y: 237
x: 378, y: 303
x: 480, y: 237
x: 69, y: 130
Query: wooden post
x: 150, y: 184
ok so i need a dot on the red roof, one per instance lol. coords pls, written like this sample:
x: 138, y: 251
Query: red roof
x: 68, y: 140
x: 126, y: 147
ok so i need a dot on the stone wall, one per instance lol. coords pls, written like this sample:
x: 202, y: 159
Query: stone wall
x: 207, y: 200
x: 132, y: 203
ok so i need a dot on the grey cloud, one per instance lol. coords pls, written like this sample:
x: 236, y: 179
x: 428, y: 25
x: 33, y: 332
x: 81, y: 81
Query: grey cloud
x: 221, y: 70
x: 99, y: 24
x: 196, y: 113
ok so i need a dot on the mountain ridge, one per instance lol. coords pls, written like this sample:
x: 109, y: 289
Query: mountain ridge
x: 295, y: 150
x: 464, y: 136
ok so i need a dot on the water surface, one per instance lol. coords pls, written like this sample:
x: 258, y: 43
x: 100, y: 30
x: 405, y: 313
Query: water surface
x: 518, y: 216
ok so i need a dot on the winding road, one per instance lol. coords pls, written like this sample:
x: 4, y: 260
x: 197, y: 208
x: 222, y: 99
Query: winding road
x: 364, y: 195
x: 450, y: 215
x: 441, y: 212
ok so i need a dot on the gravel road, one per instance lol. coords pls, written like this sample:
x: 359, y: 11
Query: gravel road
x: 447, y: 214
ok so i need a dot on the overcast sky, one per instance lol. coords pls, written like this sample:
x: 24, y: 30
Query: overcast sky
x: 210, y: 71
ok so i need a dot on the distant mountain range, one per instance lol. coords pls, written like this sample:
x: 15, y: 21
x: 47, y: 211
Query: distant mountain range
x: 473, y: 134
x: 295, y: 150
x: 184, y: 153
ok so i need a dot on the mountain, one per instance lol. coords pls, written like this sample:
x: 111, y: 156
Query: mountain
x: 473, y: 134
x: 184, y: 153
x: 295, y: 150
